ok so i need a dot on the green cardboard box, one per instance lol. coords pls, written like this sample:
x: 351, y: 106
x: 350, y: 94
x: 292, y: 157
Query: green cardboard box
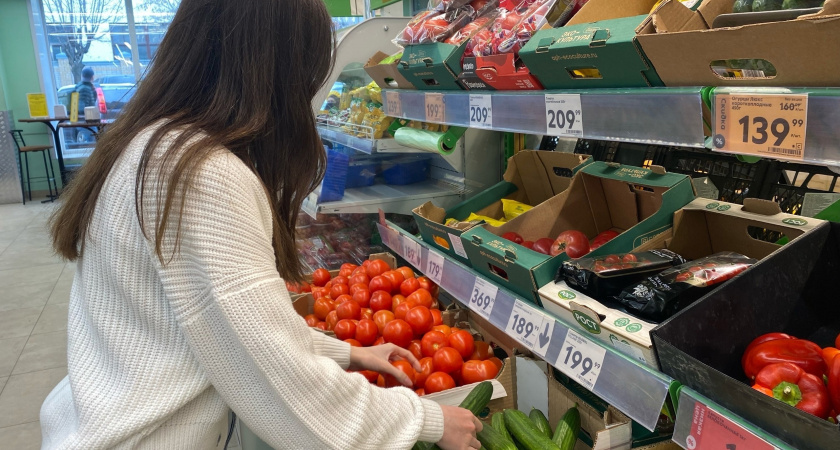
x: 596, y: 49
x: 532, y: 177
x: 433, y: 66
x: 638, y: 203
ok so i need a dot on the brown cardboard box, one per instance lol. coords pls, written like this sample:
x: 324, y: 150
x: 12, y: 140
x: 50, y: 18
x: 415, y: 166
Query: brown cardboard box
x: 681, y: 45
x: 386, y: 75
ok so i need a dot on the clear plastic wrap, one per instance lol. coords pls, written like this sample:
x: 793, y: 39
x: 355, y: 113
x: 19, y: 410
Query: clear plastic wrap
x: 434, y: 26
x: 511, y: 29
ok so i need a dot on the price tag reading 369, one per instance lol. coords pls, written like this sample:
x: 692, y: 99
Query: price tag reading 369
x: 563, y: 115
x: 483, y: 297
x: 434, y: 266
x: 411, y: 251
x: 481, y: 111
x: 581, y: 359
x: 435, y: 108
x: 761, y: 124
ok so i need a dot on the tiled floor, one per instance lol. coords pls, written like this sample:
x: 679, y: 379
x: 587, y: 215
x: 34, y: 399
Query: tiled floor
x: 34, y: 292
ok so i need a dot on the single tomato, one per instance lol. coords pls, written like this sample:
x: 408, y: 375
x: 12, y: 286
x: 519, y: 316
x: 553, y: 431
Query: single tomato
x: 406, y: 272
x: 463, y: 342
x: 353, y: 342
x: 348, y: 266
x: 322, y: 307
x: 377, y: 267
x: 437, y: 317
x: 498, y: 362
x: 629, y: 258
x: 438, y: 381
x: 342, y: 299
x: 528, y: 244
x: 513, y: 237
x: 447, y: 359
x: 420, y: 297
x: 381, y: 318
x: 475, y: 371
x: 312, y: 320
x: 370, y: 375
x: 401, y: 310
x: 358, y: 287
x: 320, y: 277
x: 349, y: 310
x: 379, y: 341
x: 366, y: 332
x: 396, y: 278
x: 414, y: 348
x: 331, y: 320
x: 429, y: 285
x: 420, y: 319
x: 408, y: 286
x: 321, y: 325
x: 367, y: 313
x: 543, y: 245
x: 396, y: 300
x: 360, y: 278
x: 339, y: 289
x: 380, y: 300
x: 319, y: 292
x: 432, y: 342
x: 398, y: 332
x: 572, y: 242
x: 380, y: 283
x: 445, y: 329
x: 340, y: 280
x: 345, y: 329
x: 380, y: 381
x: 362, y: 297
x: 428, y: 367
x: 420, y: 392
x: 482, y: 351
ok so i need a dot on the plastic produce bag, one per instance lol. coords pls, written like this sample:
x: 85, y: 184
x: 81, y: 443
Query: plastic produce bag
x: 603, y: 277
x: 511, y: 29
x: 661, y: 296
x: 434, y: 26
x: 469, y: 30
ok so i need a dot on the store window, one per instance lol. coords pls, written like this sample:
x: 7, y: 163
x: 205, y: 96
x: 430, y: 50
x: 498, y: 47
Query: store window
x: 115, y: 38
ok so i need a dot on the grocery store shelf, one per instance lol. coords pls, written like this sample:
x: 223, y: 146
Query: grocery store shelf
x: 391, y: 199
x: 702, y: 424
x: 635, y: 389
x: 663, y: 116
x: 362, y: 144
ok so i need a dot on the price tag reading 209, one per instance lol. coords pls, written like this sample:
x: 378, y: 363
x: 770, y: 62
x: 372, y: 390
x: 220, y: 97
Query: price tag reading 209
x: 483, y: 297
x: 481, y: 111
x: 761, y: 124
x: 581, y: 359
x: 434, y: 266
x: 435, y: 108
x: 563, y: 115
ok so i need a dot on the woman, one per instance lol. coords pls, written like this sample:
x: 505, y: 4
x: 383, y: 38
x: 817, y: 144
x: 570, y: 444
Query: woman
x: 182, y: 225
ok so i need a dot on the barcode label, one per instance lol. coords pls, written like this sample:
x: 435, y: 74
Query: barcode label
x: 785, y: 151
x: 748, y: 73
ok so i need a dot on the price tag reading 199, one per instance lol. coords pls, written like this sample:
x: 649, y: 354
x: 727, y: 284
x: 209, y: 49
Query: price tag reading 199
x: 435, y: 110
x: 581, y: 359
x: 761, y: 124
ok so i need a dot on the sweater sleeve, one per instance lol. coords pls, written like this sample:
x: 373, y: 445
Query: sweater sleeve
x: 283, y: 380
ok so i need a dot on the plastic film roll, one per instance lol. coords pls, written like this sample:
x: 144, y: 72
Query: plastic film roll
x: 430, y: 141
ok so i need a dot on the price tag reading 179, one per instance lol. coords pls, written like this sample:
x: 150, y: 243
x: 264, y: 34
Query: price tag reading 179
x: 581, y: 359
x: 761, y: 124
x: 435, y: 110
x: 434, y: 266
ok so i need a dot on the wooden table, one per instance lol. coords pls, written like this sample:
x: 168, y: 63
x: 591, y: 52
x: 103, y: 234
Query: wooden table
x: 48, y: 121
x: 94, y: 127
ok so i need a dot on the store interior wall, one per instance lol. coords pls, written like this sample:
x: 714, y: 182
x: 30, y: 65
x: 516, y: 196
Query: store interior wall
x: 19, y: 76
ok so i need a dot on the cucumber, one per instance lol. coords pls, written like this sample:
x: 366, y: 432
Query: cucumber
x: 475, y: 401
x: 498, y: 423
x: 526, y: 433
x: 540, y: 421
x: 493, y: 440
x: 566, y: 434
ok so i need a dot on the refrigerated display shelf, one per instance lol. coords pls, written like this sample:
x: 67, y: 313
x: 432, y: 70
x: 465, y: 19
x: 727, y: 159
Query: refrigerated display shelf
x: 362, y: 144
x: 389, y: 198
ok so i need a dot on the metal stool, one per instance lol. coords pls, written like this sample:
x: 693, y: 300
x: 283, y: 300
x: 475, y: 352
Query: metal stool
x: 23, y: 157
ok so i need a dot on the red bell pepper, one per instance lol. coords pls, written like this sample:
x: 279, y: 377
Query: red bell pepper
x: 760, y: 340
x: 804, y: 354
x: 789, y: 383
x: 834, y: 382
x: 828, y: 354
x: 837, y: 341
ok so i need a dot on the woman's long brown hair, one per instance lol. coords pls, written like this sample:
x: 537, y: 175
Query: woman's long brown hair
x: 236, y: 74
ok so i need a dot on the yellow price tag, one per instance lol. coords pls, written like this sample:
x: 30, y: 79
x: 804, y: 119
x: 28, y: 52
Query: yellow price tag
x: 435, y: 110
x: 393, y: 105
x: 769, y: 125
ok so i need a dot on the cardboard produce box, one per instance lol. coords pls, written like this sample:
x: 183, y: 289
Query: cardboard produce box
x: 386, y: 76
x: 793, y: 290
x: 682, y: 45
x: 469, y: 79
x: 434, y: 66
x: 531, y: 177
x: 638, y: 203
x: 502, y: 73
x: 596, y: 49
x: 701, y: 228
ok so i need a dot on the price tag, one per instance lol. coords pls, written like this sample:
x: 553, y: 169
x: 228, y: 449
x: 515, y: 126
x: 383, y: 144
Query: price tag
x: 483, y: 297
x: 525, y: 323
x: 391, y: 238
x: 393, y: 105
x: 563, y: 115
x: 310, y: 205
x: 457, y: 245
x: 761, y: 124
x: 714, y: 431
x: 481, y: 111
x: 434, y: 266
x: 411, y: 251
x: 435, y: 110
x: 581, y: 359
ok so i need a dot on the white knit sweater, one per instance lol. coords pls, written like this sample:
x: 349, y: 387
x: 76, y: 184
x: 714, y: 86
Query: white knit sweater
x: 157, y: 354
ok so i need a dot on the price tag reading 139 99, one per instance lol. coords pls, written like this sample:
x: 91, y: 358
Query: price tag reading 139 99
x: 435, y: 110
x: 761, y: 124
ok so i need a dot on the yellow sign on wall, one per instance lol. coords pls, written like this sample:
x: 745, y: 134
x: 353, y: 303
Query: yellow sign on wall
x: 74, y: 107
x: 37, y: 105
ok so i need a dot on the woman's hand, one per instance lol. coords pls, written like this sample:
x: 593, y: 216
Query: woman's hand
x: 378, y: 358
x: 459, y: 429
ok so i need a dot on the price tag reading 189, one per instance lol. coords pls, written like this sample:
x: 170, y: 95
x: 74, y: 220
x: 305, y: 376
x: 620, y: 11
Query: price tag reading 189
x: 483, y: 297
x: 581, y: 359
x: 434, y: 266
x: 524, y: 323
x: 481, y: 111
x: 435, y: 110
x: 411, y: 251
x: 563, y: 115
x: 761, y: 124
